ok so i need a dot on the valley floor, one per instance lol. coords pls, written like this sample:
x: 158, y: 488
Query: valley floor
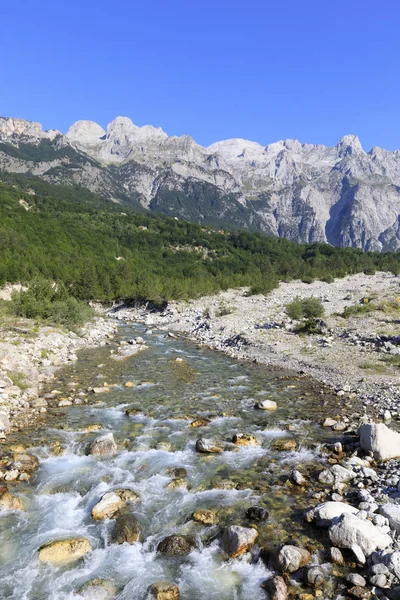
x: 358, y: 355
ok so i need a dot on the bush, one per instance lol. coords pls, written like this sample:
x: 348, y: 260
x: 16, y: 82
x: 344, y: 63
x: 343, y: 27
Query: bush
x: 328, y: 279
x: 295, y: 309
x: 313, y: 308
x: 310, y: 326
x: 308, y: 308
x: 44, y: 300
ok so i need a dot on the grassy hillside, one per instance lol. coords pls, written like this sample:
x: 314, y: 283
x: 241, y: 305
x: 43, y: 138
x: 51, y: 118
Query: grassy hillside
x: 107, y: 251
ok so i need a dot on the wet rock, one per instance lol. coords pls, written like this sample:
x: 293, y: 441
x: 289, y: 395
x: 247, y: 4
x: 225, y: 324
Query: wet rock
x: 98, y: 589
x: 257, y: 513
x: 392, y: 513
x: 112, y: 502
x: 336, y: 556
x: 276, y: 588
x: 324, y: 514
x: 200, y: 423
x: 237, y: 540
x: 297, y: 478
x: 126, y: 529
x: 351, y: 532
x: 177, y: 472
x: 162, y: 590
x: 359, y: 592
x: 177, y: 483
x: 266, y: 405
x: 130, y: 384
x: 62, y: 552
x: 103, y: 446
x: 205, y: 517
x: 379, y: 439
x: 292, y: 558
x: 8, y: 501
x: 25, y: 462
x: 284, y: 444
x: 355, y: 579
x: 205, y: 446
x: 176, y: 545
x: 329, y: 422
x: 244, y: 439
x: 101, y: 390
x: 314, y: 576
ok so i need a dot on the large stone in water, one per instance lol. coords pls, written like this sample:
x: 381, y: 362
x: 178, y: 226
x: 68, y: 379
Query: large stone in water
x: 103, y: 446
x: 98, y: 589
x: 62, y: 552
x: 284, y: 444
x: 266, y: 405
x: 205, y: 516
x: 292, y: 558
x: 379, y: 439
x: 237, y: 540
x: 163, y: 590
x: 176, y: 545
x: 112, y: 502
x: 126, y: 529
x: 351, y: 532
x: 244, y: 439
x: 208, y: 446
x: 276, y: 588
x: 8, y: 501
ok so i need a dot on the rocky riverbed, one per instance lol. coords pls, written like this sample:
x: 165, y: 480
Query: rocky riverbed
x: 357, y: 356
x: 30, y: 356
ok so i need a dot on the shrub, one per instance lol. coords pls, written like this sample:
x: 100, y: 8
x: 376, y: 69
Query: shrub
x: 309, y: 308
x: 44, y: 300
x: 310, y: 326
x: 328, y: 279
x: 313, y: 308
x: 295, y: 309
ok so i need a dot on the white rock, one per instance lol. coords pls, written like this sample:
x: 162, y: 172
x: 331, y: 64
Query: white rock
x: 349, y: 530
x: 392, y: 513
x: 326, y: 513
x: 379, y: 439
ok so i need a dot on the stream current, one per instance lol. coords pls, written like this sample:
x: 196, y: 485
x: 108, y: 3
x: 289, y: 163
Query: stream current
x: 153, y: 439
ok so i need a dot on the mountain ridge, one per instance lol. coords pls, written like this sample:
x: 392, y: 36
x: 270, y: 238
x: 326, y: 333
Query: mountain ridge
x: 305, y: 192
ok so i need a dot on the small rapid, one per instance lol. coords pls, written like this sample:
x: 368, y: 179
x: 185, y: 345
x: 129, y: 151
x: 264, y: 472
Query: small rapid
x: 151, y: 423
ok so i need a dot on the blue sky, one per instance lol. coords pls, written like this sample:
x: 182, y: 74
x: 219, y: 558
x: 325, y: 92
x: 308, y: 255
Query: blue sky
x: 304, y: 69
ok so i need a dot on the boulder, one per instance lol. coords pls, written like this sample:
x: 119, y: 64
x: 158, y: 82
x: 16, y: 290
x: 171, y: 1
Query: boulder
x: 205, y: 517
x: 359, y: 592
x: 336, y: 475
x: 276, y: 588
x: 112, y: 502
x: 177, y: 483
x: 103, y: 446
x: 351, y: 532
x: 25, y: 462
x: 257, y: 513
x: 314, y: 576
x: 392, y: 513
x: 336, y: 556
x: 162, y: 590
x: 392, y: 562
x: 355, y: 579
x: 98, y: 589
x: 324, y: 514
x: 284, y: 444
x: 62, y: 552
x: 200, y: 423
x: 205, y: 446
x: 237, y: 540
x: 244, y: 439
x: 379, y: 439
x: 292, y: 558
x: 297, y: 478
x: 266, y: 405
x: 176, y: 545
x: 126, y: 529
x: 8, y: 501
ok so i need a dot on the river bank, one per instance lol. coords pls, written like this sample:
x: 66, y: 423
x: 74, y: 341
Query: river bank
x: 356, y: 355
x: 30, y: 356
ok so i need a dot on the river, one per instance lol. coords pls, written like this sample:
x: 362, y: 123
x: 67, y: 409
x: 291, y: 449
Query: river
x: 153, y: 439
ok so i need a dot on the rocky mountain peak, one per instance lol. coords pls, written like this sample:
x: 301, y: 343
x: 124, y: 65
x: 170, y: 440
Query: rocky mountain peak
x: 12, y: 128
x: 85, y: 132
x: 349, y: 144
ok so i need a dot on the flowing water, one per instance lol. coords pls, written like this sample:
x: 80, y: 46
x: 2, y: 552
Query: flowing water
x: 156, y: 437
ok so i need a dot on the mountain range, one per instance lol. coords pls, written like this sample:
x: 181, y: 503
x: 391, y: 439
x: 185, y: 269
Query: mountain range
x: 304, y: 192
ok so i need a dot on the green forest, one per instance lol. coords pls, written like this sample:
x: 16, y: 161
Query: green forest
x: 107, y: 251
